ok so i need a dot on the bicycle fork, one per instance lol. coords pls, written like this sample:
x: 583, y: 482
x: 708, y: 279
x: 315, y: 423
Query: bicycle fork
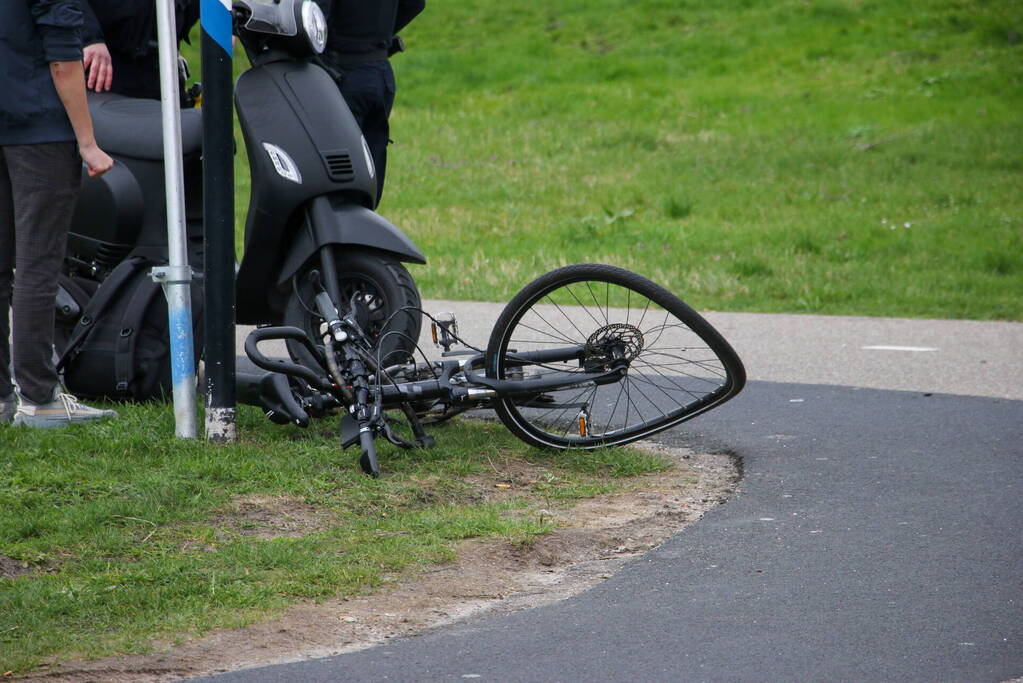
x: 340, y: 331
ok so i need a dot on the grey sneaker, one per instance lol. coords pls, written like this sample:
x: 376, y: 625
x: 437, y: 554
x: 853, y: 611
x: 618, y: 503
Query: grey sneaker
x: 62, y: 411
x: 8, y: 405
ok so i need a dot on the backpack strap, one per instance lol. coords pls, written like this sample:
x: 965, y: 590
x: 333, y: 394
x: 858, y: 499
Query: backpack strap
x: 108, y: 290
x: 131, y: 329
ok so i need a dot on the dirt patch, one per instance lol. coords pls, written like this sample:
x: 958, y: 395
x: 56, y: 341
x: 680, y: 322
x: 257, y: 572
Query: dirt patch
x: 10, y: 567
x: 266, y: 517
x: 594, y: 539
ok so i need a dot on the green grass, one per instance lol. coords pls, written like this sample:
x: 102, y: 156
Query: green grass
x: 825, y: 156
x: 119, y: 533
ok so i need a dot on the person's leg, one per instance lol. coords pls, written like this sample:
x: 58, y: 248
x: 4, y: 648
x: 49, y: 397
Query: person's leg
x: 44, y: 185
x: 369, y: 91
x: 44, y: 182
x: 380, y: 135
x: 376, y: 130
x: 7, y: 403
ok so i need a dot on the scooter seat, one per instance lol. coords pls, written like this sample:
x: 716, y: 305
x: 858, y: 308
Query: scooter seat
x: 133, y: 127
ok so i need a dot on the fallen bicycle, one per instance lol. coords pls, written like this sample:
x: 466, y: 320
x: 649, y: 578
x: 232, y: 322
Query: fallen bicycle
x: 585, y: 356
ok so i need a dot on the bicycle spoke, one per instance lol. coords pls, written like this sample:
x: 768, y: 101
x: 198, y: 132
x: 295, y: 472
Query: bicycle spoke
x: 582, y: 305
x: 659, y: 388
x: 629, y: 406
x: 594, y: 297
x: 607, y: 301
x: 713, y: 369
x: 643, y: 317
x: 559, y: 336
x: 666, y: 314
x: 690, y: 364
x: 615, y: 407
x: 557, y: 331
x: 574, y: 399
x: 581, y: 334
x: 663, y: 389
x: 632, y: 402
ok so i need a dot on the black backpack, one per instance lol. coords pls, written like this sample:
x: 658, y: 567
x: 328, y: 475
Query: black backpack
x: 112, y: 340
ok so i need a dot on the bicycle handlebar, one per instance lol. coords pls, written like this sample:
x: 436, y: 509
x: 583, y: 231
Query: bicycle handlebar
x: 276, y: 365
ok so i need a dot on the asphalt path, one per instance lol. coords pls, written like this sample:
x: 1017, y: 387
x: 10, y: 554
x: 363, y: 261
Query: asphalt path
x: 877, y: 533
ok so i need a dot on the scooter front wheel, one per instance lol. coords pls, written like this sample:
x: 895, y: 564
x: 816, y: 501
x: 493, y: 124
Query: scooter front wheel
x: 386, y: 304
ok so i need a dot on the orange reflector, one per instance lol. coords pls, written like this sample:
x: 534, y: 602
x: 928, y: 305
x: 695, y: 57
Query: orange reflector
x: 433, y: 331
x: 582, y: 425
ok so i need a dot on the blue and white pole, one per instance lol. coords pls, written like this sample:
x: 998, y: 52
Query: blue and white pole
x: 176, y: 277
x: 215, y: 18
x: 218, y: 218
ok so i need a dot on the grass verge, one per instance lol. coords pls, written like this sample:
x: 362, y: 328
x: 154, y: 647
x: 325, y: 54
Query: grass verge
x: 115, y: 536
x: 818, y: 156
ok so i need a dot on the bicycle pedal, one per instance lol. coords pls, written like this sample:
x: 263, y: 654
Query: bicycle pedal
x: 444, y: 329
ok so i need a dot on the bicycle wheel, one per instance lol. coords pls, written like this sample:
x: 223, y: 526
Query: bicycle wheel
x: 592, y: 318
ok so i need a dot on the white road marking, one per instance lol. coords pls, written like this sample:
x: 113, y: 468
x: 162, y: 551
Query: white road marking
x: 899, y: 348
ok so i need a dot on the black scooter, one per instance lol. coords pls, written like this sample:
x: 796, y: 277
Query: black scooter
x: 311, y: 223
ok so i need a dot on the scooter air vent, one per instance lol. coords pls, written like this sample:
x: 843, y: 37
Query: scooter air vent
x: 339, y: 166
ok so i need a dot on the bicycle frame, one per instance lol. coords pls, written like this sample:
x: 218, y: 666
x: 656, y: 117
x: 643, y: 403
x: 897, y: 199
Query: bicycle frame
x: 474, y: 388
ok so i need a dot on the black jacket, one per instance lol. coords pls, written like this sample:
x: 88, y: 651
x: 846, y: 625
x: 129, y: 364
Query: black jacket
x: 360, y: 26
x: 34, y: 33
x: 128, y: 28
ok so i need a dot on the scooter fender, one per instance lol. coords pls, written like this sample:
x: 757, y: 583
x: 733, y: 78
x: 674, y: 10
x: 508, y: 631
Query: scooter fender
x: 329, y: 222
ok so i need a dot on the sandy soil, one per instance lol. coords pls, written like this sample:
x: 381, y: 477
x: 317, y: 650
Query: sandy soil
x: 593, y: 541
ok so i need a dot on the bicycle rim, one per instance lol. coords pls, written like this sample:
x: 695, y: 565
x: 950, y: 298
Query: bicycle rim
x: 676, y: 365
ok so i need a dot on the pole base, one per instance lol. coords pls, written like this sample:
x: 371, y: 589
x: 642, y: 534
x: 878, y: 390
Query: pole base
x: 221, y: 425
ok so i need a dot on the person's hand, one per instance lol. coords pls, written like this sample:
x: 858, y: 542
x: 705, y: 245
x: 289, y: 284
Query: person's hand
x: 97, y: 162
x: 99, y: 69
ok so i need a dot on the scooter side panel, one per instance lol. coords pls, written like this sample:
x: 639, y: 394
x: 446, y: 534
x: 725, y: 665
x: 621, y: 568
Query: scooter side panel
x: 297, y: 108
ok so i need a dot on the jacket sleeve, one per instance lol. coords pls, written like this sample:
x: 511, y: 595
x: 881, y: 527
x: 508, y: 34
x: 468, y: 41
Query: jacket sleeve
x: 60, y: 24
x: 92, y: 32
x: 407, y: 11
x: 186, y: 16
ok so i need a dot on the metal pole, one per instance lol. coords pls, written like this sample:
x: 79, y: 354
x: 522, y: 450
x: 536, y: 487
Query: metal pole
x: 177, y: 276
x: 218, y: 218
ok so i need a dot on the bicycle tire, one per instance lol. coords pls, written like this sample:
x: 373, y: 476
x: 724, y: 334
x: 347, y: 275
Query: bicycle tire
x: 678, y: 365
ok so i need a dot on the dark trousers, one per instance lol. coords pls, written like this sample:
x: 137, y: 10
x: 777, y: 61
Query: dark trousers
x: 369, y: 89
x: 38, y: 190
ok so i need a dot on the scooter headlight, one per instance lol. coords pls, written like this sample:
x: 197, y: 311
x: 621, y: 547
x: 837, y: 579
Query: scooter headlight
x: 314, y: 25
x: 283, y: 163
